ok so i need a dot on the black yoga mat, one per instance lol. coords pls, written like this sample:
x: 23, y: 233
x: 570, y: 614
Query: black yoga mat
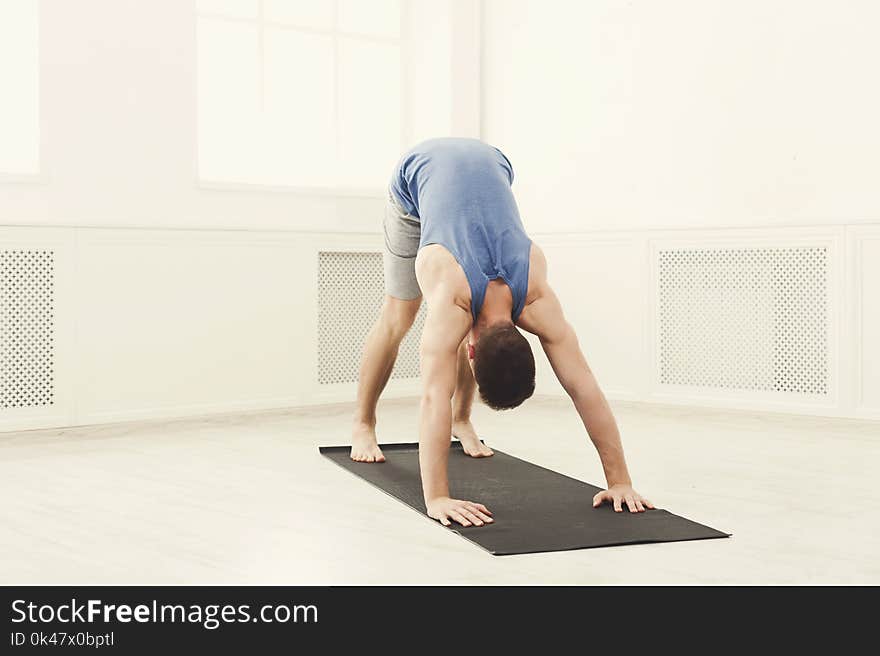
x: 535, y: 509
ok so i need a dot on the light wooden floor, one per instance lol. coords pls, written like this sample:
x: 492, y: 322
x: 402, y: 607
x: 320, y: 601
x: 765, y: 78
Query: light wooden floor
x: 247, y: 499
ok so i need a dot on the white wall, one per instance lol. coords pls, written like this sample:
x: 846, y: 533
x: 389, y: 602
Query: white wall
x: 701, y: 113
x: 629, y: 124
x: 118, y: 124
x: 634, y: 125
x: 174, y: 297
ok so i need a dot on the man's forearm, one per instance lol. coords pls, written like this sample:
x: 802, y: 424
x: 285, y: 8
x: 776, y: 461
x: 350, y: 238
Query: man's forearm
x: 580, y: 384
x: 435, y: 432
x: 602, y: 429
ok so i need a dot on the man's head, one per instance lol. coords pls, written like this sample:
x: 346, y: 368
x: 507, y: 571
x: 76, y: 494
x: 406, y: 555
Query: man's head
x: 504, y: 367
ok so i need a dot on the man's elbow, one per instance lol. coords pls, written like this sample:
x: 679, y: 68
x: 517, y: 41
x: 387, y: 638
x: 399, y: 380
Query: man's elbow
x: 582, y: 388
x: 576, y: 392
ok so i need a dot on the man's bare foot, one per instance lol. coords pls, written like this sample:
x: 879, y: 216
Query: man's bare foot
x: 471, y: 444
x: 364, y: 447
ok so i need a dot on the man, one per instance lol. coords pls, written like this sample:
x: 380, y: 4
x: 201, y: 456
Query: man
x: 453, y: 234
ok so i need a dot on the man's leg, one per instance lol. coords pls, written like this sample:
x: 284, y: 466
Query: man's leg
x: 380, y: 352
x: 462, y: 403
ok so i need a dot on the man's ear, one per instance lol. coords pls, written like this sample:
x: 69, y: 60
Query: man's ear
x: 470, y: 351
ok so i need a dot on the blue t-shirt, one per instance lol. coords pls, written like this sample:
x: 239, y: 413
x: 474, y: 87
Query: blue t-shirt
x: 459, y: 189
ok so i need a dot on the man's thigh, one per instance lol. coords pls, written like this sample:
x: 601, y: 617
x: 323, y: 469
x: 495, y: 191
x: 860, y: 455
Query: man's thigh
x: 402, y: 233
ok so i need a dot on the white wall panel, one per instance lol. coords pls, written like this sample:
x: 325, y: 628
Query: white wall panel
x: 776, y: 307
x: 602, y: 285
x: 322, y: 388
x: 161, y: 323
x: 170, y: 323
x: 61, y: 352
x: 185, y: 322
x: 867, y: 317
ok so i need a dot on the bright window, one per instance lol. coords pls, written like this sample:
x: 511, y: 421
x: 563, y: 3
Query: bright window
x: 299, y: 93
x: 19, y: 88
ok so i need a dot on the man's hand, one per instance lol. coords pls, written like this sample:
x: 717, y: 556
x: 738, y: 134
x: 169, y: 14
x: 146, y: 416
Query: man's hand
x: 617, y: 494
x: 466, y: 513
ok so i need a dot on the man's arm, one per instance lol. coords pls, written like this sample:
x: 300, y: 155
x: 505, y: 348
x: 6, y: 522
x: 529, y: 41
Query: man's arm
x: 544, y: 318
x: 446, y: 324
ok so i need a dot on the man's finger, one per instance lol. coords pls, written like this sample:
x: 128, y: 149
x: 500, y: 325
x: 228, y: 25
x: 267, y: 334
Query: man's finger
x: 631, y: 504
x: 445, y: 521
x: 599, y: 498
x: 479, y: 513
x: 648, y: 503
x: 618, y: 507
x: 639, y: 505
x: 458, y: 517
x: 483, y: 508
x: 471, y: 517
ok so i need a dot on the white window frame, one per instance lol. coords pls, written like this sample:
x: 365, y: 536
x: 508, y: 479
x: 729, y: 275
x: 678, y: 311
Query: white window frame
x: 261, y: 22
x: 38, y: 176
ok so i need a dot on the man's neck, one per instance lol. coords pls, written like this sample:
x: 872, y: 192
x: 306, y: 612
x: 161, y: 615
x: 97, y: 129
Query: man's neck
x: 497, y: 307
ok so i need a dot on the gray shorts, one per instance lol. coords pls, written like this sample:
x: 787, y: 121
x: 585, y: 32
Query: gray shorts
x: 402, y: 233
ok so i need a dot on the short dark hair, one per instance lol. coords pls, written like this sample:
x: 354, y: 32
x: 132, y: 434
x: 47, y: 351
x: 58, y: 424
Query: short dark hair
x: 504, y: 367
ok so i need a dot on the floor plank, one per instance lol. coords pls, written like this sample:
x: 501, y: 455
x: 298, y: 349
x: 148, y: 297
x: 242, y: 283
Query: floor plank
x: 248, y: 499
